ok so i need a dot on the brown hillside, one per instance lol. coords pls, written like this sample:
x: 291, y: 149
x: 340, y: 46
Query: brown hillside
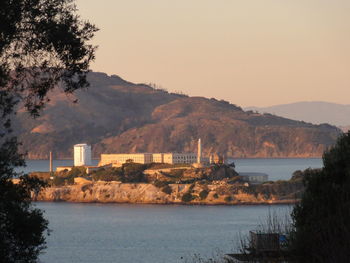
x: 118, y: 116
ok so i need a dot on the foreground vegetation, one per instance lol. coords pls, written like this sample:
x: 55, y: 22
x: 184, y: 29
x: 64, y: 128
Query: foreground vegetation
x: 319, y: 230
x: 44, y: 46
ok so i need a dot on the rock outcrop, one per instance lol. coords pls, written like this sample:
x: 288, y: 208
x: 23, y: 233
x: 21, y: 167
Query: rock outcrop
x: 113, y: 192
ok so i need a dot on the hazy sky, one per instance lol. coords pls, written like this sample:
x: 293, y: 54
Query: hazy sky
x: 249, y: 52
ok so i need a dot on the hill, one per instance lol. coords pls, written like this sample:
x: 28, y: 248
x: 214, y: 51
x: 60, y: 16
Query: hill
x: 316, y: 112
x: 118, y: 116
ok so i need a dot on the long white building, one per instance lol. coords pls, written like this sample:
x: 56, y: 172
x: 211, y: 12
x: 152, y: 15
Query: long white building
x: 123, y: 158
x: 82, y: 154
x: 172, y: 158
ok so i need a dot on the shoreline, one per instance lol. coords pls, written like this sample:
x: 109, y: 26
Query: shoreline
x: 146, y: 193
x: 273, y: 203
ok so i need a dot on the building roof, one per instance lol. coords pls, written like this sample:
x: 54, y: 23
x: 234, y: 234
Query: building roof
x: 80, y: 144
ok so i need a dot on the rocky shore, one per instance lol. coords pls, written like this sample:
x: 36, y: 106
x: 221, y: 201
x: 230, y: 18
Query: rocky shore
x: 146, y: 193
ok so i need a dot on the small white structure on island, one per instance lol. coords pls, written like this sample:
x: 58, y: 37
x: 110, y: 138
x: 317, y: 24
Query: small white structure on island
x: 82, y: 154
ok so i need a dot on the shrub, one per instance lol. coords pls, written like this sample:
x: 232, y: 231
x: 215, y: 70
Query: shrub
x: 191, y: 187
x: 216, y: 196
x: 228, y: 199
x: 58, y: 181
x: 77, y: 171
x: 187, y: 197
x: 159, y: 184
x: 107, y: 178
x: 107, y: 174
x: 133, y: 172
x: 203, y: 194
x: 69, y: 180
x: 177, y: 173
x: 167, y: 189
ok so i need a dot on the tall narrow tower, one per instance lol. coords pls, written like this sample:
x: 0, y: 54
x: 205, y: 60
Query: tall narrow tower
x: 199, y: 153
x: 51, y: 162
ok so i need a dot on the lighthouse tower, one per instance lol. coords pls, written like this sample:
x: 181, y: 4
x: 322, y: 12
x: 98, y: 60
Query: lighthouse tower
x: 199, y: 153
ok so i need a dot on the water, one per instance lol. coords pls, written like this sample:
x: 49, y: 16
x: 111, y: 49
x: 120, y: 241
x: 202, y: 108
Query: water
x: 155, y: 233
x: 277, y: 169
x: 44, y: 165
x: 146, y: 233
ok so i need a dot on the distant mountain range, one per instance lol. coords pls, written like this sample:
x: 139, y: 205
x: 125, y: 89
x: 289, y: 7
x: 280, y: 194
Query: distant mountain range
x: 315, y: 112
x: 116, y: 116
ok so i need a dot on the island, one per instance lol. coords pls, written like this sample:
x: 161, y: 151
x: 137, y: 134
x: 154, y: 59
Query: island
x: 161, y: 183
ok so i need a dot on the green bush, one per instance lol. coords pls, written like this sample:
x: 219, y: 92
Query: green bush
x: 155, y: 166
x: 133, y: 172
x: 106, y: 178
x: 58, y: 181
x: 107, y: 174
x: 228, y: 199
x: 191, y: 187
x: 216, y: 196
x: 167, y: 189
x: 77, y: 171
x: 64, y: 178
x: 176, y: 173
x: 203, y: 194
x: 160, y: 184
x: 128, y: 173
x: 69, y: 180
x: 187, y: 197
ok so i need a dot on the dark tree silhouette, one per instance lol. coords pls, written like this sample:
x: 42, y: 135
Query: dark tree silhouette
x: 322, y: 219
x: 43, y: 45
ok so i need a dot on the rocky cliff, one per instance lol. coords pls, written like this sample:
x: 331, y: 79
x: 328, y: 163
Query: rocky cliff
x: 116, y: 116
x: 114, y: 192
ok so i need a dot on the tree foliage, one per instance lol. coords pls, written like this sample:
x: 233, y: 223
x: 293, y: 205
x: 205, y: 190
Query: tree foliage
x: 322, y: 219
x: 107, y: 174
x: 133, y: 172
x: 43, y: 45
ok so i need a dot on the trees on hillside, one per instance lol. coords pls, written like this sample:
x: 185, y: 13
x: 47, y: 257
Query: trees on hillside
x: 322, y: 218
x: 43, y: 45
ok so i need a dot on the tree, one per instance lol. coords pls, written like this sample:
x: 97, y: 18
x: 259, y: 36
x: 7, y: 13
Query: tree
x: 322, y: 218
x: 43, y: 45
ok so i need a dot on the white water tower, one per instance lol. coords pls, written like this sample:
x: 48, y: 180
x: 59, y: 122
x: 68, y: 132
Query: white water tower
x: 82, y: 154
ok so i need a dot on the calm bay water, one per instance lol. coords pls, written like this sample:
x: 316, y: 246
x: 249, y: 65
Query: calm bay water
x: 277, y: 169
x: 146, y: 233
x: 155, y: 233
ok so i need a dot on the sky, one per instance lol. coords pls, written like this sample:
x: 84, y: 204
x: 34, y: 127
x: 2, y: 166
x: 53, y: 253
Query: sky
x: 248, y: 52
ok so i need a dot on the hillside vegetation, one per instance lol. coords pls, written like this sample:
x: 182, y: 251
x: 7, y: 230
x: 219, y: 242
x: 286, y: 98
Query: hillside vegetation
x: 116, y: 116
